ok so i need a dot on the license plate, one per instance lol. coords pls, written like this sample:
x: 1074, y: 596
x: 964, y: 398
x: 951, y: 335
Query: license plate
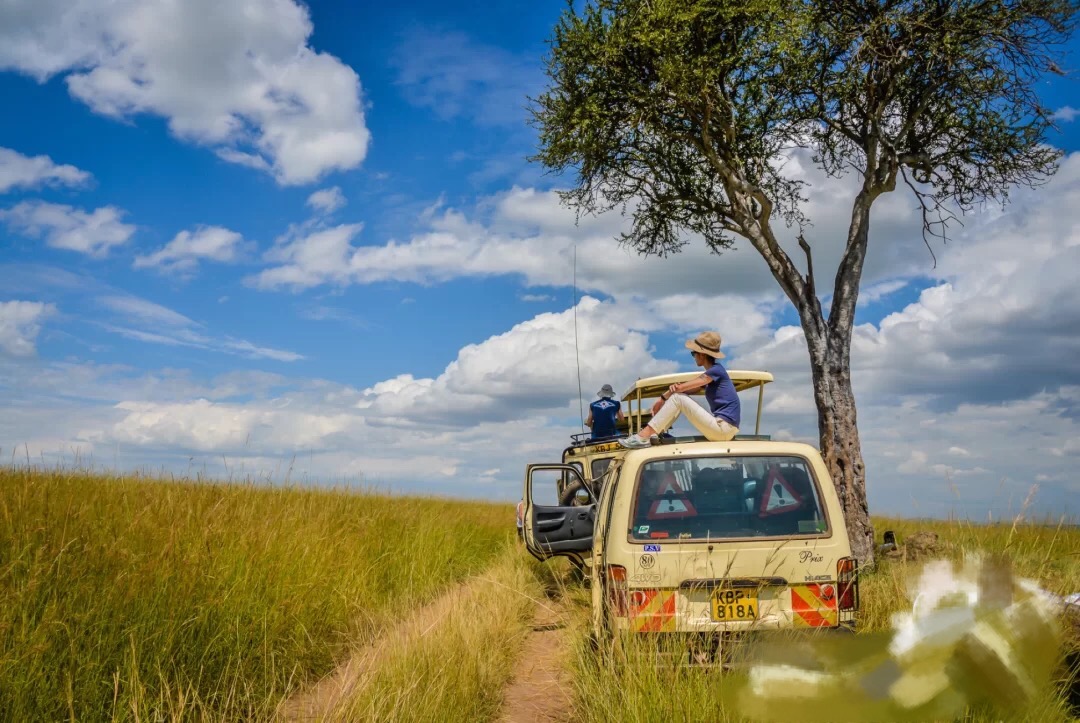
x: 734, y: 604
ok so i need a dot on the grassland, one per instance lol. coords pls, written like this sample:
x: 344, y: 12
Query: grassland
x: 133, y: 599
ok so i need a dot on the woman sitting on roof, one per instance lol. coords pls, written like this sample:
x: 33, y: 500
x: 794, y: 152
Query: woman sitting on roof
x: 720, y: 423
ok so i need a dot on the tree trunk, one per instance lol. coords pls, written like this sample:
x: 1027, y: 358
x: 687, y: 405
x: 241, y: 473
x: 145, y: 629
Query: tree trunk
x: 829, y: 344
x: 839, y: 437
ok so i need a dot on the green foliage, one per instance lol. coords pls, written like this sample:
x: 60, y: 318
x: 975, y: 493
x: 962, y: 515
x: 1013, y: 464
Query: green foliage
x: 683, y: 109
x: 125, y: 599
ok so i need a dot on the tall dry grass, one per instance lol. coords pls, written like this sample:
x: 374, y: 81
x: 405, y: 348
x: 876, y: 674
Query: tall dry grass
x: 126, y: 598
x: 451, y: 665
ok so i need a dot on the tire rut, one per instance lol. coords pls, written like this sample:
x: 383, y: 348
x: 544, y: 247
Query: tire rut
x: 319, y: 701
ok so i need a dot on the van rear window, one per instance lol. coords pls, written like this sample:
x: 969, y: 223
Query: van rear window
x: 727, y: 497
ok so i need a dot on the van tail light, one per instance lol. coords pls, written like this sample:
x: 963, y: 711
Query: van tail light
x: 616, y: 590
x: 848, y: 582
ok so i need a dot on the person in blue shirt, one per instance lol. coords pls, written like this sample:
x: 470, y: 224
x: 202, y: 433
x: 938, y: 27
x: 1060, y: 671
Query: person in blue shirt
x: 604, y: 413
x: 720, y: 422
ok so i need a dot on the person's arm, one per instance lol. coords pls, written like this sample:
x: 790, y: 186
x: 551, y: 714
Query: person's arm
x: 619, y: 415
x: 686, y: 387
x: 588, y: 422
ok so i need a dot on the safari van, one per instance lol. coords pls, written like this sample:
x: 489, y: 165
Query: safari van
x: 693, y: 536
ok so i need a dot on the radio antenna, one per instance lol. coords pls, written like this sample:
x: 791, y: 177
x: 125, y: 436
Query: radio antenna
x: 577, y: 352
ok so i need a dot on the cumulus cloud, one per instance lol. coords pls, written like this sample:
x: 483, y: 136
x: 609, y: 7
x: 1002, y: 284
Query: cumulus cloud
x: 65, y: 227
x: 530, y: 369
x: 317, y: 256
x: 327, y: 200
x: 19, y: 171
x: 209, y: 426
x: 239, y: 77
x: 188, y: 248
x: 20, y: 324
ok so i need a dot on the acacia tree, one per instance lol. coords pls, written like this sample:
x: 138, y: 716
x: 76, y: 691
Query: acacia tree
x: 681, y: 112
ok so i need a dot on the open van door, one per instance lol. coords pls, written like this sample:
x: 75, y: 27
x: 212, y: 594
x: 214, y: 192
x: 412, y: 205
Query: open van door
x: 553, y: 529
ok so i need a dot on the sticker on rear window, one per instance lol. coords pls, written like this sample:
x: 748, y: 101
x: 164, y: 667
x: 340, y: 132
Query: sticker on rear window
x: 643, y: 529
x: 652, y: 548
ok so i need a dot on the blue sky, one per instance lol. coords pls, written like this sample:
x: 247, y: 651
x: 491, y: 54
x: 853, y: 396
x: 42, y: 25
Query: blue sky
x: 252, y: 236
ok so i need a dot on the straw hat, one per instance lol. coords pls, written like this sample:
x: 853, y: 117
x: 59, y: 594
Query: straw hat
x: 707, y: 343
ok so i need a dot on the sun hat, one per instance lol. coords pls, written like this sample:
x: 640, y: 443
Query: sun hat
x: 707, y: 343
x: 606, y: 391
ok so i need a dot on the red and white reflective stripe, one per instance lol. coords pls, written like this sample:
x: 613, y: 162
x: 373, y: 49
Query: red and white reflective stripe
x: 652, y: 611
x: 812, y: 608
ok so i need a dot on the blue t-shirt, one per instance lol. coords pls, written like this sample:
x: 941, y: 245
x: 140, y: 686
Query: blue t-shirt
x: 721, y: 394
x: 604, y: 412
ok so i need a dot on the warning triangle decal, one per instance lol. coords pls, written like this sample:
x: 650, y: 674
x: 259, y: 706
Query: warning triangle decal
x: 672, y: 508
x: 670, y: 484
x: 779, y: 496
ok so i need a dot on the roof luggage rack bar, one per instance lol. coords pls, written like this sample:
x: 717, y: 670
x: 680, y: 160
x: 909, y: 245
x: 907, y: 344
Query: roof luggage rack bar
x: 587, y: 438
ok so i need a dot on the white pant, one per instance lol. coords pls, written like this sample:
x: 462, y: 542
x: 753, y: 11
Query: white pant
x: 714, y: 428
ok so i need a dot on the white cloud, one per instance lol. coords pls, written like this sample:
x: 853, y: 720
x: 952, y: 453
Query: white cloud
x: 536, y: 298
x: 527, y: 370
x: 65, y: 227
x: 188, y: 248
x: 141, y: 310
x: 317, y: 258
x: 19, y: 171
x: 20, y: 324
x: 1066, y: 114
x: 998, y: 322
x: 145, y: 321
x: 327, y: 200
x: 238, y: 76
x: 196, y: 340
x: 208, y: 426
x: 528, y: 233
x: 878, y: 291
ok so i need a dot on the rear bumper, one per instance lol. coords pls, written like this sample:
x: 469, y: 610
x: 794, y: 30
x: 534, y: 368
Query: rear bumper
x: 698, y: 626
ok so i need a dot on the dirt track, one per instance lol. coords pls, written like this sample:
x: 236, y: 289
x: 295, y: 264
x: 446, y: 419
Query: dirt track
x: 541, y: 689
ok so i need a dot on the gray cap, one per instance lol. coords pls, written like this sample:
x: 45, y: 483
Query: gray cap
x: 606, y: 391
